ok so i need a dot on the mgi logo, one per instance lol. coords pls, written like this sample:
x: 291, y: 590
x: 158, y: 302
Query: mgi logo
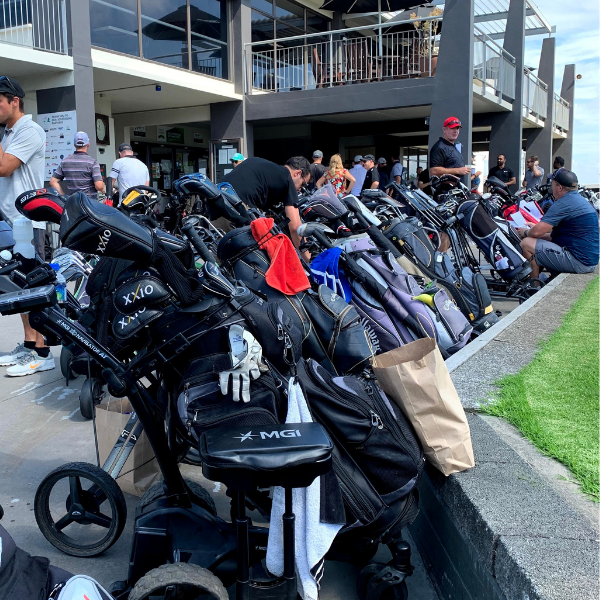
x: 268, y: 434
x: 104, y: 238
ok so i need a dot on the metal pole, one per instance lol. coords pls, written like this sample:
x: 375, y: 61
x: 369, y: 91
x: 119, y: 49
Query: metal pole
x: 380, y: 40
x: 330, y: 60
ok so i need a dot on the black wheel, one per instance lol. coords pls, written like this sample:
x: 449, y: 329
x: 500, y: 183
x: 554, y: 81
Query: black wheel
x: 65, y: 364
x: 201, y: 496
x: 179, y: 581
x: 80, y: 509
x: 398, y: 591
x: 90, y: 395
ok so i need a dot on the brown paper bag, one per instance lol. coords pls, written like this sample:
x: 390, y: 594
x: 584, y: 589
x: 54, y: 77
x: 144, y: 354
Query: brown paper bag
x: 416, y: 378
x: 140, y: 470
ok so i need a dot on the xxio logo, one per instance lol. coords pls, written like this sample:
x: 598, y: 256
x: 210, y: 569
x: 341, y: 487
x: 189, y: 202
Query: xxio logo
x: 268, y: 434
x: 104, y: 238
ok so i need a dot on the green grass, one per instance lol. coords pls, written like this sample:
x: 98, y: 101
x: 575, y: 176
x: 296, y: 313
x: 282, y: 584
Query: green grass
x: 553, y: 401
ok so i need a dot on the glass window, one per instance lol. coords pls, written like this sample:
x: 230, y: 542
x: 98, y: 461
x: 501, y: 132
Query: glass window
x: 264, y: 5
x: 114, y: 25
x: 284, y: 30
x: 208, y: 19
x: 262, y: 27
x: 164, y: 32
x: 290, y: 13
x: 316, y: 23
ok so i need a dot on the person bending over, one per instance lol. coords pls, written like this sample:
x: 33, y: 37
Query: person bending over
x: 262, y: 184
x: 566, y: 239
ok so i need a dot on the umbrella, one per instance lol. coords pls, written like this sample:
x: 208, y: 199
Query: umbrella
x: 365, y: 6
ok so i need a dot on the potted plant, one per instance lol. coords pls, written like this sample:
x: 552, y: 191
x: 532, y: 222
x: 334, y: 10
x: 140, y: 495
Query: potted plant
x: 425, y: 44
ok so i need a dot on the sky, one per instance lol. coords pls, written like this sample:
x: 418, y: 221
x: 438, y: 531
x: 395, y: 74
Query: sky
x: 577, y: 41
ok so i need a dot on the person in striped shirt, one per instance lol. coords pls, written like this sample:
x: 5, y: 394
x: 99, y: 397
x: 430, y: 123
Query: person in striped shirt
x: 80, y: 171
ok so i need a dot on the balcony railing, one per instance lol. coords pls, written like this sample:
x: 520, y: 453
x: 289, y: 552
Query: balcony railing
x: 39, y: 24
x: 339, y: 57
x: 535, y: 96
x: 493, y: 67
x: 561, y: 113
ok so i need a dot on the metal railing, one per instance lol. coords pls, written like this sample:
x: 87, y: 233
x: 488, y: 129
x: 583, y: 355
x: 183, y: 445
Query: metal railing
x: 40, y: 24
x: 535, y: 96
x: 493, y: 67
x: 561, y: 114
x: 339, y: 57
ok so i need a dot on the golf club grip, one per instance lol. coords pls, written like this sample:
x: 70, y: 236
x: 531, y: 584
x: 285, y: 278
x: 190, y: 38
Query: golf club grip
x: 322, y: 238
x: 196, y: 241
x: 370, y: 284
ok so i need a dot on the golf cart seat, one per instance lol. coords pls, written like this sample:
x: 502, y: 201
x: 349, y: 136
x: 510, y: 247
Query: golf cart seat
x: 291, y: 455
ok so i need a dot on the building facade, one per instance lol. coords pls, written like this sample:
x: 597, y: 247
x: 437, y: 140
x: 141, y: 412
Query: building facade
x: 190, y: 82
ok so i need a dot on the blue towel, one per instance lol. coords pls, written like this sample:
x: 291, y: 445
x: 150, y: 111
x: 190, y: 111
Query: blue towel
x: 325, y: 270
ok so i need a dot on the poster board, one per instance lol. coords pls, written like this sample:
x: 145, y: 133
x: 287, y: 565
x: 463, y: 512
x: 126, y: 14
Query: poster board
x: 60, y: 128
x: 221, y: 152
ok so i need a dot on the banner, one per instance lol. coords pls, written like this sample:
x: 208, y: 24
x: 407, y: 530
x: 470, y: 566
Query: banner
x: 60, y: 128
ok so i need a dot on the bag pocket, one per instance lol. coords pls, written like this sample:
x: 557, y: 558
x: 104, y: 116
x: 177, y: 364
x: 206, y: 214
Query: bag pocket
x: 377, y: 437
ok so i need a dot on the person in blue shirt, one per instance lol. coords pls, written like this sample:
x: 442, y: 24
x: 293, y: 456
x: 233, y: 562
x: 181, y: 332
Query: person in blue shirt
x: 566, y: 240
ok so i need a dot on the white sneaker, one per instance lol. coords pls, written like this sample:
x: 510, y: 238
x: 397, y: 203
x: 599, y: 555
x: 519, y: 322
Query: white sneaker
x: 31, y: 363
x: 12, y: 358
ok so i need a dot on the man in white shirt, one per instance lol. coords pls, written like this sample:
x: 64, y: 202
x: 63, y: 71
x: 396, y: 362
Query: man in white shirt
x: 22, y: 154
x: 128, y: 170
x: 359, y: 173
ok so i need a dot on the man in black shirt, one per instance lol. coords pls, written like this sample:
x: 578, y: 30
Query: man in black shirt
x: 424, y: 182
x: 445, y: 158
x: 317, y: 170
x: 262, y: 184
x: 502, y: 172
x: 372, y: 177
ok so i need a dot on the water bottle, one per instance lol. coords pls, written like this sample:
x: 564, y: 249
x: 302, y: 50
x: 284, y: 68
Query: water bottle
x: 23, y: 235
x: 61, y: 284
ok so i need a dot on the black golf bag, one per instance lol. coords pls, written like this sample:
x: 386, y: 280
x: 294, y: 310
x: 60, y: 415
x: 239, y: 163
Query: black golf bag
x: 492, y: 241
x: 331, y: 330
x: 468, y: 289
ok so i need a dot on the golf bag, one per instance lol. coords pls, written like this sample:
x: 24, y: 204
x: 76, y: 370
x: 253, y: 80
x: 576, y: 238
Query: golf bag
x: 491, y: 240
x: 331, y: 331
x: 468, y: 289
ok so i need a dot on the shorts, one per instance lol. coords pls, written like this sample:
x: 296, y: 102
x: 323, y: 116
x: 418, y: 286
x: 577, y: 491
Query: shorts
x: 558, y: 259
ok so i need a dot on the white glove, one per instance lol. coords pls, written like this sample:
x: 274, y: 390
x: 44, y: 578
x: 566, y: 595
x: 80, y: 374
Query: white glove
x: 246, y: 357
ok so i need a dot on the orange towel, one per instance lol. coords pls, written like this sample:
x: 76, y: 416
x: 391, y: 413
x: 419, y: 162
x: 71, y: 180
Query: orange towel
x: 285, y: 273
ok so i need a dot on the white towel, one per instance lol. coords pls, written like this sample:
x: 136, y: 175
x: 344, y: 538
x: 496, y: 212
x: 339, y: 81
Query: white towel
x: 313, y: 538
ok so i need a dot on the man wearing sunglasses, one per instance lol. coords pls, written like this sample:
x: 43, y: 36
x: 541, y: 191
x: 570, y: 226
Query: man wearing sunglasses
x: 445, y: 158
x: 22, y: 152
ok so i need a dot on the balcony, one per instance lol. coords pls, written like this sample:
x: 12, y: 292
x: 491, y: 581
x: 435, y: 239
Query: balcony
x: 560, y: 117
x: 535, y: 97
x: 341, y: 57
x: 36, y: 24
x: 493, y: 68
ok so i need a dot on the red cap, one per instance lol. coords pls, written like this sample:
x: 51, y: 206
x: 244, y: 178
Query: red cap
x: 452, y: 122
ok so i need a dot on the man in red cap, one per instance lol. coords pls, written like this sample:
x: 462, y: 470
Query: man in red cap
x: 445, y: 158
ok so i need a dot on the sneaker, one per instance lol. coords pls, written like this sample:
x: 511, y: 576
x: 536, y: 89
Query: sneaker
x: 31, y: 363
x: 12, y: 358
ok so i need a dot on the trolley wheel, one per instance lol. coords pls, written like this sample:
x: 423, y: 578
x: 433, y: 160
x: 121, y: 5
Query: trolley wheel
x: 202, y: 497
x: 95, y: 509
x: 65, y: 364
x: 91, y: 394
x: 379, y: 573
x: 183, y: 581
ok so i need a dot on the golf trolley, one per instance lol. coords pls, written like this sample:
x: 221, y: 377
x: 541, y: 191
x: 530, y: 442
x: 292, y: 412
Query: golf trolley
x: 177, y: 525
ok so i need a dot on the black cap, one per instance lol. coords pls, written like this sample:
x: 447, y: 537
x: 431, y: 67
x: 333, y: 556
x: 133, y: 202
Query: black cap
x: 8, y: 85
x: 124, y: 147
x: 565, y: 177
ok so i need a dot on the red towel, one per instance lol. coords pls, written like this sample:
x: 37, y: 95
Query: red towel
x: 285, y: 273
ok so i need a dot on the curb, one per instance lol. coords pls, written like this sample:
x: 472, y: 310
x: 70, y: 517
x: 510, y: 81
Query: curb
x: 485, y: 338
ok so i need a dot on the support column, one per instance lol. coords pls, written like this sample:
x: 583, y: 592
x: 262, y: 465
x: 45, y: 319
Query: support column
x: 80, y: 47
x: 453, y: 81
x: 564, y: 147
x: 539, y: 141
x: 506, y: 136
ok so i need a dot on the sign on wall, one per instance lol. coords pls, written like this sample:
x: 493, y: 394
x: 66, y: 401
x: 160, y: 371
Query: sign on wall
x: 139, y: 131
x: 175, y: 135
x: 198, y: 137
x: 60, y: 128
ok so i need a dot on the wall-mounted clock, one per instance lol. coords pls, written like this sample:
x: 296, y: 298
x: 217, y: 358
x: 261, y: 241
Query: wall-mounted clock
x: 102, y: 130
